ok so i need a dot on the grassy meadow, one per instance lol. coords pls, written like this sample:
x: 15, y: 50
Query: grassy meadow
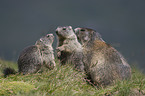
x: 65, y: 81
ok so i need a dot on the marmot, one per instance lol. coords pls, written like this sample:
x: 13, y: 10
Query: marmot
x: 32, y: 58
x: 102, y: 62
x: 69, y: 49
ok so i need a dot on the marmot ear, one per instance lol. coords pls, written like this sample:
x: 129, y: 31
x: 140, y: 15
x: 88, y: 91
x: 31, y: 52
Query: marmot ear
x: 96, y: 35
x: 76, y: 30
x: 41, y: 40
x: 70, y: 27
x: 50, y: 34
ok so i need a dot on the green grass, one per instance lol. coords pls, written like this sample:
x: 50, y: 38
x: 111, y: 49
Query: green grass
x: 65, y: 81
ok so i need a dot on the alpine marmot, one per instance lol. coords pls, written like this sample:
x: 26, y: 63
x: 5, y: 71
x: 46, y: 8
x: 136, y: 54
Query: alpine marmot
x: 32, y: 58
x: 69, y: 50
x: 102, y: 62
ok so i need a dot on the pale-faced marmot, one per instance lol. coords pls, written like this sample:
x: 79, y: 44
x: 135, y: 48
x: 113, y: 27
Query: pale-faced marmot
x: 32, y: 58
x: 69, y: 50
x: 102, y: 62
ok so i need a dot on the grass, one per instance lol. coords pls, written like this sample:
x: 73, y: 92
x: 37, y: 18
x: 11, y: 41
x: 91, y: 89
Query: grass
x: 65, y: 81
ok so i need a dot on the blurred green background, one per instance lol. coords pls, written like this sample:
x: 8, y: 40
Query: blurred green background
x: 120, y: 22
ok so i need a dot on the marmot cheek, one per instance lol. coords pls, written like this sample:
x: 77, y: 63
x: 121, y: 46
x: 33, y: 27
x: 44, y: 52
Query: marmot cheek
x: 86, y: 38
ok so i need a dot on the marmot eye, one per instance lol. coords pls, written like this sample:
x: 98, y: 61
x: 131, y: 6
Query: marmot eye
x: 64, y: 29
x: 82, y: 30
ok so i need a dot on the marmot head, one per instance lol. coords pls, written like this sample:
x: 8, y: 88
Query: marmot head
x: 86, y: 35
x: 45, y: 40
x: 64, y: 32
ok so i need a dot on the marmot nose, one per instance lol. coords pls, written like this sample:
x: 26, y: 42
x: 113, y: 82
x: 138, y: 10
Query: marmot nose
x: 56, y: 31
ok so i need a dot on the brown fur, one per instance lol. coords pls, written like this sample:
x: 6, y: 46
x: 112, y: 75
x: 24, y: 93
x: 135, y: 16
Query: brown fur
x: 34, y: 57
x: 69, y: 50
x: 103, y: 63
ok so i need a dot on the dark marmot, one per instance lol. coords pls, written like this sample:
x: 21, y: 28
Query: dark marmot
x: 69, y: 49
x: 32, y: 58
x: 102, y: 62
